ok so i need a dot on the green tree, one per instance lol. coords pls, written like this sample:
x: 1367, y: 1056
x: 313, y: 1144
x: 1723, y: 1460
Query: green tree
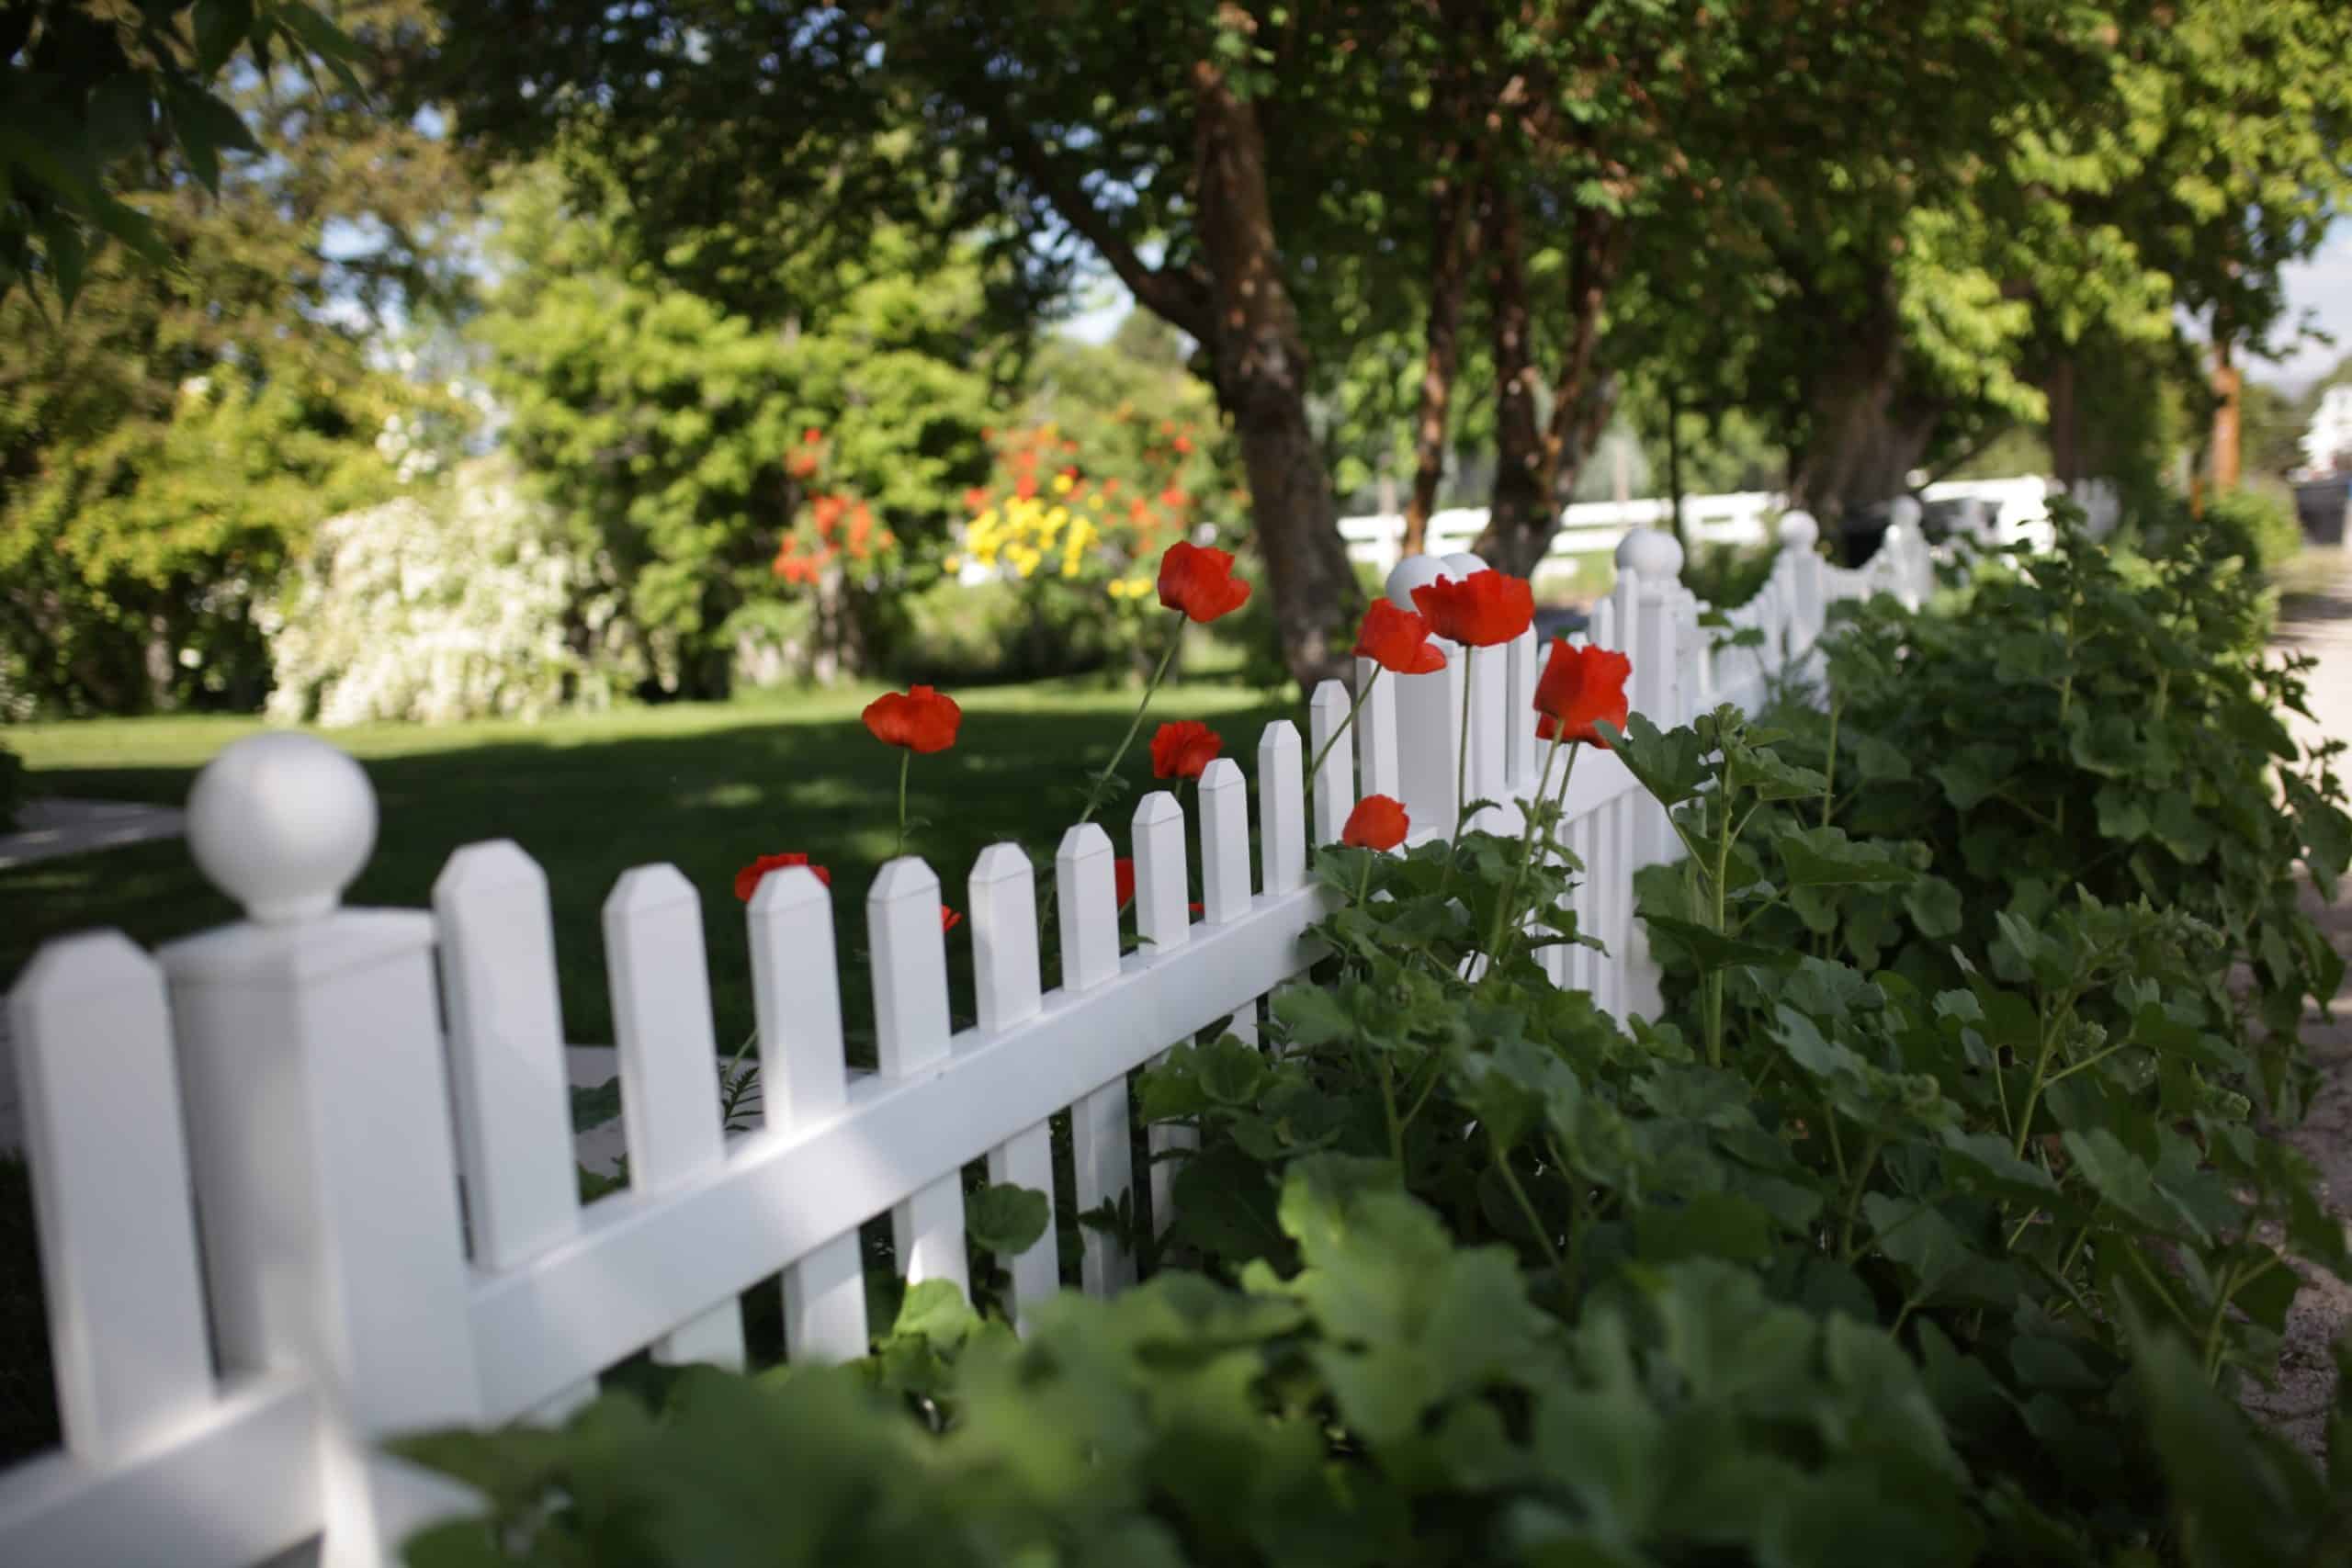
x: 700, y: 442
x: 167, y: 440
x: 1142, y: 141
x: 94, y: 96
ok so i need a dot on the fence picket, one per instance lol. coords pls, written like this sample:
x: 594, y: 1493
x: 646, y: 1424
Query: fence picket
x: 911, y: 1035
x: 797, y: 1009
x: 1004, y: 893
x: 1225, y: 843
x: 1163, y: 924
x: 1104, y: 1163
x: 496, y: 935
x: 1282, y: 814
x: 1488, y: 670
x: 1523, y: 757
x: 1334, y: 784
x: 117, y: 1224
x: 669, y: 1060
x: 1376, y: 733
x: 1429, y: 729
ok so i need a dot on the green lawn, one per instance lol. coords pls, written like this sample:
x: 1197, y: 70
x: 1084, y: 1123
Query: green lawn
x: 704, y: 786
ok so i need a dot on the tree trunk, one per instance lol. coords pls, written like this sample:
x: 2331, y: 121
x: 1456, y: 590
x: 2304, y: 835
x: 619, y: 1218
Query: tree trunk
x: 1259, y: 359
x: 1864, y: 434
x: 2065, y: 424
x: 1457, y: 240
x: 1535, y: 460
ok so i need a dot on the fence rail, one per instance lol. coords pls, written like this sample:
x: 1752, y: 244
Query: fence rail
x: 306, y: 1181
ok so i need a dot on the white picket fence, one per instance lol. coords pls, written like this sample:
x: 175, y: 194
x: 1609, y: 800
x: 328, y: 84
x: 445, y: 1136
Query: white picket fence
x: 1990, y: 512
x: 306, y: 1181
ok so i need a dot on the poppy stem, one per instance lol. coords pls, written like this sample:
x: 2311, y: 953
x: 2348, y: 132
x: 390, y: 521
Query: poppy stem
x: 906, y: 761
x: 1461, y: 752
x: 1535, y: 803
x: 1135, y: 727
x: 1345, y: 725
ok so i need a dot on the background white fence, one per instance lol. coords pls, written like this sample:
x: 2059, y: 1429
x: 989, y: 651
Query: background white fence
x: 307, y: 1180
x: 1991, y: 512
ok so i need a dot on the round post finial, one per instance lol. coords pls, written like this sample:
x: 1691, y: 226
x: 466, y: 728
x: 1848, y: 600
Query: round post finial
x: 1414, y: 571
x: 1798, y: 532
x: 1462, y: 564
x: 281, y: 822
x: 1653, y: 555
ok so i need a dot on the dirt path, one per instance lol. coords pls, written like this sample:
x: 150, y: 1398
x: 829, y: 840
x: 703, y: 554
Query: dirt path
x: 2316, y: 618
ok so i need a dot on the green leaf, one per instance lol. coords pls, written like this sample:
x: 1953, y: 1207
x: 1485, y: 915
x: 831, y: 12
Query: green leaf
x: 1880, y: 762
x: 1973, y: 775
x: 935, y: 1312
x: 221, y: 27
x: 594, y: 1107
x: 1934, y: 907
x: 1707, y: 1225
x: 1005, y: 1219
x: 1826, y: 857
x: 1670, y: 765
x: 1712, y: 950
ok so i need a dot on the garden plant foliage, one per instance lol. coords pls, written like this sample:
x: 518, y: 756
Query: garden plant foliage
x: 1934, y: 1221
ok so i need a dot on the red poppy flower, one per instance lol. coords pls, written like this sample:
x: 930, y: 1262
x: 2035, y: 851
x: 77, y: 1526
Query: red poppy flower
x: 801, y: 465
x: 1199, y: 582
x: 746, y: 881
x: 1123, y: 880
x: 811, y: 437
x: 1581, y: 686
x: 1379, y: 823
x: 827, y: 510
x: 1482, y: 610
x: 1398, y: 640
x: 919, y: 719
x: 949, y: 918
x: 1183, y: 749
x: 976, y: 498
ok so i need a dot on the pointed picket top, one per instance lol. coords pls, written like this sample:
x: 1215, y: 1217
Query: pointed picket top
x: 1225, y: 842
x: 1162, y: 918
x: 1085, y: 882
x: 909, y: 969
x: 1281, y: 812
x: 1333, y: 787
x: 1004, y: 893
x: 110, y: 1183
x: 495, y: 931
x: 796, y: 998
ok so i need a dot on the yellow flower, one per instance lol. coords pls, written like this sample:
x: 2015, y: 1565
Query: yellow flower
x: 1063, y: 484
x: 952, y: 563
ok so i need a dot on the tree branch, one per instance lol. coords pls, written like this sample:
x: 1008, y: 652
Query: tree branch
x: 1180, y: 297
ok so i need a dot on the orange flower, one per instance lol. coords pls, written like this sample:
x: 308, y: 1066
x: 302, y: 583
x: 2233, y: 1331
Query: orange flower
x: 1185, y: 444
x: 1398, y: 640
x: 919, y: 719
x: 1483, y: 610
x: 976, y: 498
x: 801, y: 465
x: 1379, y: 823
x: 1183, y: 749
x: 1581, y: 686
x: 1123, y: 878
x: 1199, y: 582
x: 949, y: 920
x: 811, y: 436
x: 827, y: 510
x: 746, y: 881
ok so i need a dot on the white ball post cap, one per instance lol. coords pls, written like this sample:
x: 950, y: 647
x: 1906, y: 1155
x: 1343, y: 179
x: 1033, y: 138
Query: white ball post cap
x: 1420, y: 572
x: 281, y: 823
x: 1798, y: 531
x: 1652, y: 554
x: 1413, y: 571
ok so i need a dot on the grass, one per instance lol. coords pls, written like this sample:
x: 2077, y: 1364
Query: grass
x: 704, y: 786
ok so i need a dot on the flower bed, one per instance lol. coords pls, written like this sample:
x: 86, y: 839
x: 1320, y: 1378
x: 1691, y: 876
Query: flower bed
x: 1932, y: 1221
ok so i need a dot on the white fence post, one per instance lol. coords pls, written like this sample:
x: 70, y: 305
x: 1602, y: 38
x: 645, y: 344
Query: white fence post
x: 669, y: 1059
x: 796, y: 1008
x: 1003, y: 891
x: 506, y: 1061
x: 110, y: 1192
x: 1334, y: 788
x: 911, y: 1028
x: 319, y: 1119
x: 1163, y: 924
x: 1376, y: 738
x: 1104, y: 1162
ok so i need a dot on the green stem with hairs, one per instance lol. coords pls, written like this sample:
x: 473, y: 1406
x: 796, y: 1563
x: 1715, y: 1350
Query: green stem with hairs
x: 906, y: 761
x: 1346, y: 724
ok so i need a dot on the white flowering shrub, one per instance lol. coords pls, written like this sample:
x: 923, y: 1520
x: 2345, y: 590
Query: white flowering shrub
x: 466, y: 600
